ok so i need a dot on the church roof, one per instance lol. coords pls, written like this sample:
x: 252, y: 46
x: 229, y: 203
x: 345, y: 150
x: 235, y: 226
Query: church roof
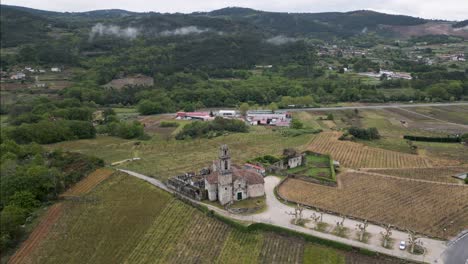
x: 212, y: 178
x: 251, y: 176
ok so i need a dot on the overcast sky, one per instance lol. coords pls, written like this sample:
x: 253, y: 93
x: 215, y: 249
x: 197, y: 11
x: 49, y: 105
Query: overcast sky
x: 438, y: 9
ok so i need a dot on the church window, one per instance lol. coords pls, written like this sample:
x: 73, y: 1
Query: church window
x: 225, y: 164
x: 225, y: 189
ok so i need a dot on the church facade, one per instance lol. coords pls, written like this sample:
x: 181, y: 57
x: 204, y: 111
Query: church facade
x: 228, y: 183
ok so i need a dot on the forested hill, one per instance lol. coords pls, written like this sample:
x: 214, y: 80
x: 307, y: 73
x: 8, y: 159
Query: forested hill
x: 309, y: 23
x: 20, y: 25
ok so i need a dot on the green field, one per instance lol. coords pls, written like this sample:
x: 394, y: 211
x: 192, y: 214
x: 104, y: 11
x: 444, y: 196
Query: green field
x: 126, y: 220
x: 165, y: 157
x: 316, y: 166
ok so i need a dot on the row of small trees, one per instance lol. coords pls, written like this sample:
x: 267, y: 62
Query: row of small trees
x: 317, y: 217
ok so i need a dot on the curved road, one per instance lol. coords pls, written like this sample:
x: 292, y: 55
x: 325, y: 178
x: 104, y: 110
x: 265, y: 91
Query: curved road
x: 376, y: 106
x: 275, y: 214
x: 457, y: 252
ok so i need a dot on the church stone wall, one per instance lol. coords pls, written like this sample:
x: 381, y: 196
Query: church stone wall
x: 255, y: 190
x: 212, y: 191
x: 224, y: 194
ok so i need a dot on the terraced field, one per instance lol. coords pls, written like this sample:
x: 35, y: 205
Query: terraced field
x: 425, y: 207
x: 355, y: 155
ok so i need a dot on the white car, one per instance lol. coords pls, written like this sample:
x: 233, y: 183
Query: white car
x: 402, y: 245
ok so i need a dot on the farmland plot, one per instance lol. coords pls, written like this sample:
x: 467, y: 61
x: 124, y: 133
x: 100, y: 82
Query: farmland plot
x: 88, y: 183
x: 428, y: 208
x: 106, y: 230
x: 440, y: 174
x: 23, y: 254
x: 355, y: 155
x: 180, y: 234
x: 130, y: 221
x: 277, y: 249
x: 242, y: 247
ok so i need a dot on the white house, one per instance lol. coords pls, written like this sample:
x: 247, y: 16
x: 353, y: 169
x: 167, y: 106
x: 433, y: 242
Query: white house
x: 18, y: 76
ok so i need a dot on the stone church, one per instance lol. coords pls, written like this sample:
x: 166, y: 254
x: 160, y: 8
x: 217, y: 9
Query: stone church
x: 228, y: 183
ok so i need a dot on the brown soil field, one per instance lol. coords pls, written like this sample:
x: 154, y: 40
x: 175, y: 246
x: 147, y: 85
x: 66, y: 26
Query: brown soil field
x: 88, y: 183
x: 442, y: 174
x: 151, y: 124
x: 13, y: 86
x: 427, y: 208
x: 355, y: 155
x: 23, y: 254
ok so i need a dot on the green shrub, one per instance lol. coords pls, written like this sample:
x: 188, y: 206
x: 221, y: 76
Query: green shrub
x: 363, y: 133
x: 212, y: 128
x: 434, y: 139
x: 296, y: 124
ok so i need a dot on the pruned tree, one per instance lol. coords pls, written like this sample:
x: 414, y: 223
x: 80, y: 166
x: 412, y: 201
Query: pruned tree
x: 340, y: 224
x: 413, y: 240
x: 386, y: 235
x: 297, y: 213
x: 317, y: 217
x: 362, y: 229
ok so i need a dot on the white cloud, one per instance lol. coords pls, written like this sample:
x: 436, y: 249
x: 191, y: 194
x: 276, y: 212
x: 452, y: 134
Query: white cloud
x: 183, y: 31
x: 100, y: 30
x: 281, y: 40
x: 447, y: 9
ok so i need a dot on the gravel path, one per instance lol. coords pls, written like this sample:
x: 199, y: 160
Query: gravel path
x: 275, y: 214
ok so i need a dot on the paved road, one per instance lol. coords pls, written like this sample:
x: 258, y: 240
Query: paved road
x: 457, y: 252
x: 376, y: 106
x: 275, y: 214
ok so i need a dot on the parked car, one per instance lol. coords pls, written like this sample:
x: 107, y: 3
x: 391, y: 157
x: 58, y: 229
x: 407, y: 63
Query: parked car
x: 402, y: 245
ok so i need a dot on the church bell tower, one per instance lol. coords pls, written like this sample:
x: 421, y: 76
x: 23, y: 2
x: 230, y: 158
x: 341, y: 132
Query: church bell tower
x: 224, y: 175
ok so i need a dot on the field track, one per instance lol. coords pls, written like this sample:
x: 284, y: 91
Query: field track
x: 438, y: 174
x: 431, y: 208
x: 23, y: 254
x: 88, y: 183
x: 355, y: 155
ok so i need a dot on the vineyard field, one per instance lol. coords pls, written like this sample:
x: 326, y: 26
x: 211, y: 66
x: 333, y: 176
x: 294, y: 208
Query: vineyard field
x: 130, y: 221
x: 355, y: 155
x: 88, y: 183
x: 425, y: 207
x: 438, y: 174
x: 23, y: 254
x: 107, y: 229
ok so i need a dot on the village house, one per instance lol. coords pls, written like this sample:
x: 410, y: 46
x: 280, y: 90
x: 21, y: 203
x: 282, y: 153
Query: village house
x: 268, y: 117
x: 55, y: 69
x: 18, y: 76
x: 293, y: 158
x: 227, y: 113
x: 204, y: 116
x: 228, y: 183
